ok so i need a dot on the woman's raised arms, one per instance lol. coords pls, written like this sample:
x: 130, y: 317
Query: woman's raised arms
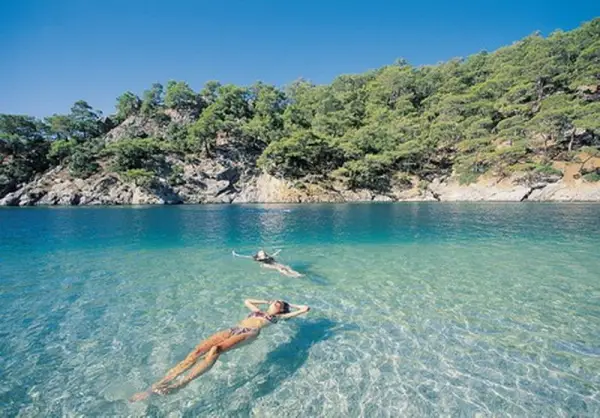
x: 252, y: 304
x: 300, y: 310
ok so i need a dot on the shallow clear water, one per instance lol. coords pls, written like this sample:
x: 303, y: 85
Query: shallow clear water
x: 418, y: 309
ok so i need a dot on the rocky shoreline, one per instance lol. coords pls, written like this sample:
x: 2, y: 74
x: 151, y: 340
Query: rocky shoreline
x: 209, y: 181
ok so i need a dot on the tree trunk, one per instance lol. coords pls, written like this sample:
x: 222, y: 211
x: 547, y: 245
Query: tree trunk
x: 585, y: 162
x: 571, y: 141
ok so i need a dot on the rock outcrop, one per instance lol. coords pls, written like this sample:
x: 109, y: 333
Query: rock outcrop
x: 57, y: 188
x: 230, y: 180
x: 565, y: 192
x: 485, y: 190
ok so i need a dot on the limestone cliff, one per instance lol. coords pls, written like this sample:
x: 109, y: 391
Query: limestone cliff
x: 212, y: 181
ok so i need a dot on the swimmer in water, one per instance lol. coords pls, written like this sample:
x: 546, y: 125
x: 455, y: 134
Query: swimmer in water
x: 245, y: 332
x: 268, y: 261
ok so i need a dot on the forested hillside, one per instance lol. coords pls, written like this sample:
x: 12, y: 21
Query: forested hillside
x: 519, y: 109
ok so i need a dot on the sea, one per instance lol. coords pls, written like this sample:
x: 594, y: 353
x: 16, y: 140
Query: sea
x: 417, y: 309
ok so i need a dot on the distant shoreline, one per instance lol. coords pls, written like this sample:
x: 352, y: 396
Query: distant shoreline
x: 315, y: 203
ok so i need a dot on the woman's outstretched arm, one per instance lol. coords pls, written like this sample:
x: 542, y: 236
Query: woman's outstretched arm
x: 252, y: 304
x: 241, y: 255
x: 300, y: 310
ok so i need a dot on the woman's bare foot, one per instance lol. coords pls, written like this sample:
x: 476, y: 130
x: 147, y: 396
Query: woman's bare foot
x: 140, y: 396
x: 162, y: 389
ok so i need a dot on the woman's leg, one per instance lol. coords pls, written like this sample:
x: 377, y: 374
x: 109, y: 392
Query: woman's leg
x: 211, y: 358
x: 191, y: 358
x: 287, y: 270
x: 189, y: 361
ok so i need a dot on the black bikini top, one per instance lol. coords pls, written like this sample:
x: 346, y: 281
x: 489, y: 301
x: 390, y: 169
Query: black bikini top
x: 272, y: 319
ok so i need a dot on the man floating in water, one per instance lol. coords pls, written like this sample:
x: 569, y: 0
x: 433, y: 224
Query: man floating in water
x: 268, y: 261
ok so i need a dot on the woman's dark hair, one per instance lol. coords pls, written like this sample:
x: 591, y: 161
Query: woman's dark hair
x: 285, y: 307
x: 267, y: 259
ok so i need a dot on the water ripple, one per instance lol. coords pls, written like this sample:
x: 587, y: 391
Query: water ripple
x: 418, y: 310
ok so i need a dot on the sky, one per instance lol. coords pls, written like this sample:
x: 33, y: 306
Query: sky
x: 55, y: 52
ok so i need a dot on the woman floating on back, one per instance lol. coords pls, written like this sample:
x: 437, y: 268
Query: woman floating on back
x: 268, y: 261
x: 243, y: 333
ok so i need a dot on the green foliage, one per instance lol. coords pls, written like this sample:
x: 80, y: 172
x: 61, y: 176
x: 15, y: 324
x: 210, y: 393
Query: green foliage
x: 267, y: 105
x: 521, y: 167
x: 140, y: 176
x: 404, y: 180
x: 176, y: 176
x: 468, y: 177
x: 500, y: 112
x: 86, y: 123
x: 152, y: 100
x: 83, y: 163
x: 300, y: 154
x: 547, y: 169
x: 180, y: 96
x: 227, y: 115
x: 60, y: 150
x: 137, y: 153
x: 535, y: 171
x: 128, y: 104
x: 210, y: 93
x: 372, y: 172
x: 23, y: 150
x: 82, y: 124
x: 176, y: 138
x: 80, y: 158
x: 61, y: 126
x: 591, y: 151
x: 203, y: 133
x: 592, y: 177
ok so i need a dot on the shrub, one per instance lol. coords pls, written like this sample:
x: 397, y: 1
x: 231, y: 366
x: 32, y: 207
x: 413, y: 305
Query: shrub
x: 592, y: 176
x: 300, y: 185
x: 404, y: 180
x: 423, y: 184
x: 60, y: 150
x: 301, y: 154
x: 548, y: 170
x: 138, y: 153
x: 372, y: 172
x: 468, y: 177
x: 176, y: 175
x: 139, y: 176
x: 83, y: 163
x: 521, y: 167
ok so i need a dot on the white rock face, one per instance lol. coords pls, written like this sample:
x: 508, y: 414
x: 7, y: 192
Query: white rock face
x: 487, y: 190
x: 564, y: 192
x: 209, y: 181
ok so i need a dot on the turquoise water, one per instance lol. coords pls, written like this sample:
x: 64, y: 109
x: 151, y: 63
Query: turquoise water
x: 418, y: 309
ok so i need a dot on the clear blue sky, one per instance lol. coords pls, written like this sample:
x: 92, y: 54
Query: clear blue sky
x: 54, y: 52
